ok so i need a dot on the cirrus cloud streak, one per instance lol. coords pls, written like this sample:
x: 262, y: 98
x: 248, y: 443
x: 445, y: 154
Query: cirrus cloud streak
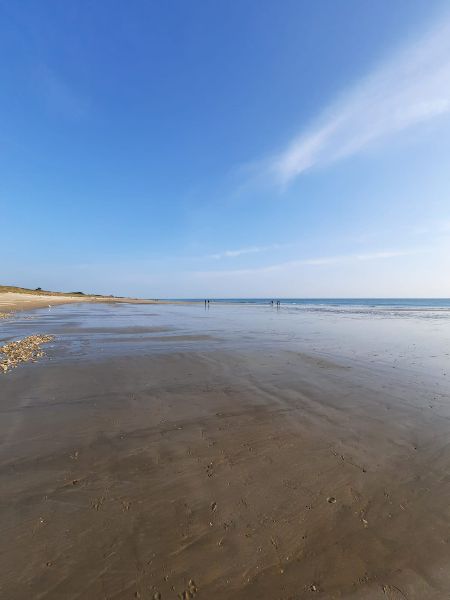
x: 411, y: 88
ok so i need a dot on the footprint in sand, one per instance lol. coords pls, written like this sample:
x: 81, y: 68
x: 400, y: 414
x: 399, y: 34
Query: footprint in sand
x: 189, y: 592
x: 393, y: 593
x: 97, y: 503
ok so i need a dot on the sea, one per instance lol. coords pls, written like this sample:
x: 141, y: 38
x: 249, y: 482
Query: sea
x: 338, y: 303
x: 368, y: 302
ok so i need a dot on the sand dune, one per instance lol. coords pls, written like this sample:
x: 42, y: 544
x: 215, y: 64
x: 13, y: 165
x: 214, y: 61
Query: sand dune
x: 13, y: 301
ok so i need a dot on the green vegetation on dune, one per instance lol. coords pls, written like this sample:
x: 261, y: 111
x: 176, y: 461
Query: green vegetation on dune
x: 41, y: 292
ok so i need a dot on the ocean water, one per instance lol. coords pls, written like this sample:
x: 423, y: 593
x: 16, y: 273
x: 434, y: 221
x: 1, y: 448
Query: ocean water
x: 437, y: 308
x: 323, y: 303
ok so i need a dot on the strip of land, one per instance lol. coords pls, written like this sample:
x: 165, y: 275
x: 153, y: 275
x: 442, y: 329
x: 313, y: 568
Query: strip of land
x: 14, y: 298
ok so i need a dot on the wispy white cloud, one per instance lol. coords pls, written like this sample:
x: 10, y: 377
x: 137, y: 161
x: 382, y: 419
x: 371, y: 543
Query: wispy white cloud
x: 241, y: 251
x: 315, y: 261
x: 373, y: 274
x: 410, y: 88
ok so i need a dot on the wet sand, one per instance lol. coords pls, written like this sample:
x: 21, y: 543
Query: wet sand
x: 222, y: 470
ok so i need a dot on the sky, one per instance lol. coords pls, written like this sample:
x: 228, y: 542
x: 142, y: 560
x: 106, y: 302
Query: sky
x: 226, y: 149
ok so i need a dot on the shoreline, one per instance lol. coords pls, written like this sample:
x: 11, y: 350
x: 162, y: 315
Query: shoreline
x: 11, y: 302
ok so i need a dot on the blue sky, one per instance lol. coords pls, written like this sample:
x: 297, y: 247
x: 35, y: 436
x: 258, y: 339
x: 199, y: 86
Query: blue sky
x: 251, y: 148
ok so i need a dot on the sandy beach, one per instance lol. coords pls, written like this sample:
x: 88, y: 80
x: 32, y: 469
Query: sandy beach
x: 225, y: 300
x: 169, y: 452
x: 16, y: 301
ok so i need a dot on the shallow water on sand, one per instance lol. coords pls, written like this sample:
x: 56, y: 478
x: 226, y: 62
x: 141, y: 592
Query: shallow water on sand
x: 417, y: 340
